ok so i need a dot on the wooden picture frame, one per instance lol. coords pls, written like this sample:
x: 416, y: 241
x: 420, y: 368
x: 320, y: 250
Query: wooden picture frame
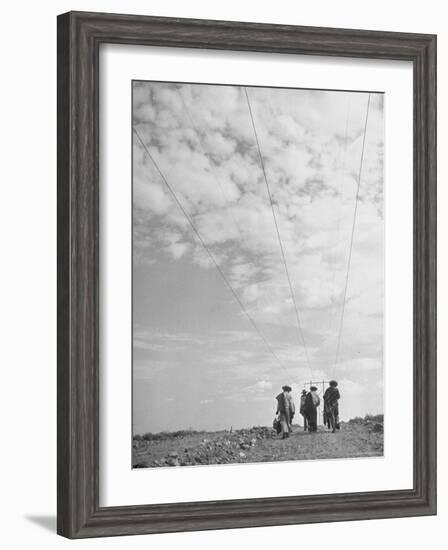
x: 79, y: 38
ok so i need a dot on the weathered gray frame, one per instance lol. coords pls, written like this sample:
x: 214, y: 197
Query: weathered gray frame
x: 79, y: 38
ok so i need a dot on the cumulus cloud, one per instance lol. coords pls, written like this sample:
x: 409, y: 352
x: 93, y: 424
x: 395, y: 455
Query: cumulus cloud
x: 264, y: 385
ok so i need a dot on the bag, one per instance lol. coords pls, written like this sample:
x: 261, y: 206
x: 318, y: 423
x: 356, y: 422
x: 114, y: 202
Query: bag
x: 277, y: 425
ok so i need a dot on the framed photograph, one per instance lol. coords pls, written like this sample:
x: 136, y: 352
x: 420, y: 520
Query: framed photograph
x: 246, y: 274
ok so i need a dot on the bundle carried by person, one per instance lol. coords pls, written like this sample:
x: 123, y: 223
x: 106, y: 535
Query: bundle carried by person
x: 276, y: 424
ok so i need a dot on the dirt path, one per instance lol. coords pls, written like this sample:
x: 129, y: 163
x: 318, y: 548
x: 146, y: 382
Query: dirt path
x: 260, y: 445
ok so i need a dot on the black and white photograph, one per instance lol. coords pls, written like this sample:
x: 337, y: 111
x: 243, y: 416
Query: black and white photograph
x: 258, y: 274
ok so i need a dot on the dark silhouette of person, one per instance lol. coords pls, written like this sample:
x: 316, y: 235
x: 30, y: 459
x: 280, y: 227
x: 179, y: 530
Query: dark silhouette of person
x: 312, y: 401
x: 331, y: 405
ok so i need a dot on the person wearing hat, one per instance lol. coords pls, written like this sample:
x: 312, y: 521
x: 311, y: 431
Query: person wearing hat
x: 285, y: 410
x: 331, y: 405
x: 302, y: 410
x: 312, y: 401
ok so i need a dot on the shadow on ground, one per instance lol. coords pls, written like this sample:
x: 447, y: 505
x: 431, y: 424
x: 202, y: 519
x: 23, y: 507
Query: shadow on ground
x: 46, y: 522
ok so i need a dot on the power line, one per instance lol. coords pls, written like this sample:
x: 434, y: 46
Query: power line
x: 211, y: 256
x: 278, y: 231
x: 338, y: 224
x: 352, y: 234
x: 199, y: 141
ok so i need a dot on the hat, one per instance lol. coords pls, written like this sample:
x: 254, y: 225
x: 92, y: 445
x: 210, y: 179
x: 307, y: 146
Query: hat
x: 313, y: 388
x: 304, y: 391
x: 333, y: 383
x: 286, y: 388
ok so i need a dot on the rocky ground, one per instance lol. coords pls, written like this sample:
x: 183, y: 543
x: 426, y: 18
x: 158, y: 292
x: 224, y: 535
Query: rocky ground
x: 259, y: 444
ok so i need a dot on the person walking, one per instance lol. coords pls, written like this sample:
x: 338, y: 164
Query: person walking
x: 286, y: 410
x: 312, y: 401
x: 331, y: 405
x: 302, y: 410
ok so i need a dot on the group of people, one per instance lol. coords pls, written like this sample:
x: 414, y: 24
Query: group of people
x: 309, y: 403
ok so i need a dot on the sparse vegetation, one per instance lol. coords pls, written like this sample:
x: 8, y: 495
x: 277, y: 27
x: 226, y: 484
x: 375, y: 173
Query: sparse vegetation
x: 374, y: 422
x: 359, y: 437
x: 368, y: 418
x: 375, y: 417
x: 164, y: 436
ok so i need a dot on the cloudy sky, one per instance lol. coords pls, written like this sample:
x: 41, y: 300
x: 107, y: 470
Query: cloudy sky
x: 198, y: 362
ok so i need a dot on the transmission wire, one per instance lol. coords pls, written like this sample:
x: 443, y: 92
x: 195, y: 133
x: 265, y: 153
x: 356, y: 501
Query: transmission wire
x: 278, y: 232
x: 352, y: 234
x: 211, y: 256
